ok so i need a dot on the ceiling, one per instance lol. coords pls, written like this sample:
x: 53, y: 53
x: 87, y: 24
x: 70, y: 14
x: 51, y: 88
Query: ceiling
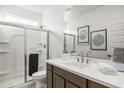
x: 73, y: 10
x: 35, y: 8
x: 79, y: 10
x: 40, y: 8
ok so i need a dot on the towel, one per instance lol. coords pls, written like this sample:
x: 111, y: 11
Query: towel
x: 33, y: 63
x: 118, y: 55
x: 107, y: 69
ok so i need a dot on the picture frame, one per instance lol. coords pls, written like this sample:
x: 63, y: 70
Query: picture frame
x: 83, y: 34
x: 99, y: 40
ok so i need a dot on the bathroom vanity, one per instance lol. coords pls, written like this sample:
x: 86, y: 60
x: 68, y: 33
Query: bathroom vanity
x: 68, y: 74
x: 60, y: 78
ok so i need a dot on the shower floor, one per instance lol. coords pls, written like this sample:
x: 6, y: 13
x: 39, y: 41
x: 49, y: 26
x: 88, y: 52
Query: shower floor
x: 13, y: 82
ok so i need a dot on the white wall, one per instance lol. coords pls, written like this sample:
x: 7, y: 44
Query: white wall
x: 53, y: 18
x: 97, y: 19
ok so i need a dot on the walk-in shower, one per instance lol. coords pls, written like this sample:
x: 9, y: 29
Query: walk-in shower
x: 16, y: 44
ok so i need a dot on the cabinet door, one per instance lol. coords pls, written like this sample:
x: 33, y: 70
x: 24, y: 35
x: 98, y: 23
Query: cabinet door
x: 75, y: 79
x: 49, y: 79
x: 58, y: 82
x: 71, y: 85
x: 92, y: 84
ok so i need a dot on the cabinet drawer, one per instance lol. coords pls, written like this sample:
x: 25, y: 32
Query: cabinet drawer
x: 92, y: 84
x: 49, y: 67
x: 77, y: 80
x: 60, y: 72
x: 71, y: 85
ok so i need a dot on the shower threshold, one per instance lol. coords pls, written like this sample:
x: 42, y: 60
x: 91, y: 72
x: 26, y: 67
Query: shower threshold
x: 13, y: 82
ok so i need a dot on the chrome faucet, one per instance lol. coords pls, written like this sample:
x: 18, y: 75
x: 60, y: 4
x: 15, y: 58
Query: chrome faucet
x: 82, y: 56
x: 87, y: 61
x: 72, y: 53
x: 89, y: 52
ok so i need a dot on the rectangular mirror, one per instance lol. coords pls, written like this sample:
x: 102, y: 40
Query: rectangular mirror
x: 69, y: 43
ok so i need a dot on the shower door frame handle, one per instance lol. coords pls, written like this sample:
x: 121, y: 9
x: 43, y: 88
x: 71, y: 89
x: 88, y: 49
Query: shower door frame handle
x: 25, y: 54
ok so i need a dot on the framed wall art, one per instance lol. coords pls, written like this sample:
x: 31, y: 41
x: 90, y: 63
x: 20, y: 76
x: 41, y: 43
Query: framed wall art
x: 99, y: 40
x: 83, y: 34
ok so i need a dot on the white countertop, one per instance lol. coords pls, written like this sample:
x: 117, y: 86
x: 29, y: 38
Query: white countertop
x: 92, y: 72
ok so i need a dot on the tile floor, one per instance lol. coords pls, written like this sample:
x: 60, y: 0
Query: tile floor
x: 13, y: 82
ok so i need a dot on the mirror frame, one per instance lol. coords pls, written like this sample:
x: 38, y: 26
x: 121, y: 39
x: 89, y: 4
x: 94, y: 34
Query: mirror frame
x: 66, y: 34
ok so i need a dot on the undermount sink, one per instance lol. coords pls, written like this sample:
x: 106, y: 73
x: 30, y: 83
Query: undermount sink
x: 76, y: 64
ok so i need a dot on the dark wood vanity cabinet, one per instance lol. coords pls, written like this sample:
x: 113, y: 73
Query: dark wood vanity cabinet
x: 58, y: 82
x: 71, y: 85
x: 92, y: 84
x: 49, y: 79
x: 49, y: 76
x: 60, y: 78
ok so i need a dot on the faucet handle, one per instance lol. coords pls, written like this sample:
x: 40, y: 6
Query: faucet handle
x: 89, y: 52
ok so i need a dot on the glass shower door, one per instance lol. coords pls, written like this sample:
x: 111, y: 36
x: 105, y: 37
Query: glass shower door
x: 36, y: 42
x: 11, y: 56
